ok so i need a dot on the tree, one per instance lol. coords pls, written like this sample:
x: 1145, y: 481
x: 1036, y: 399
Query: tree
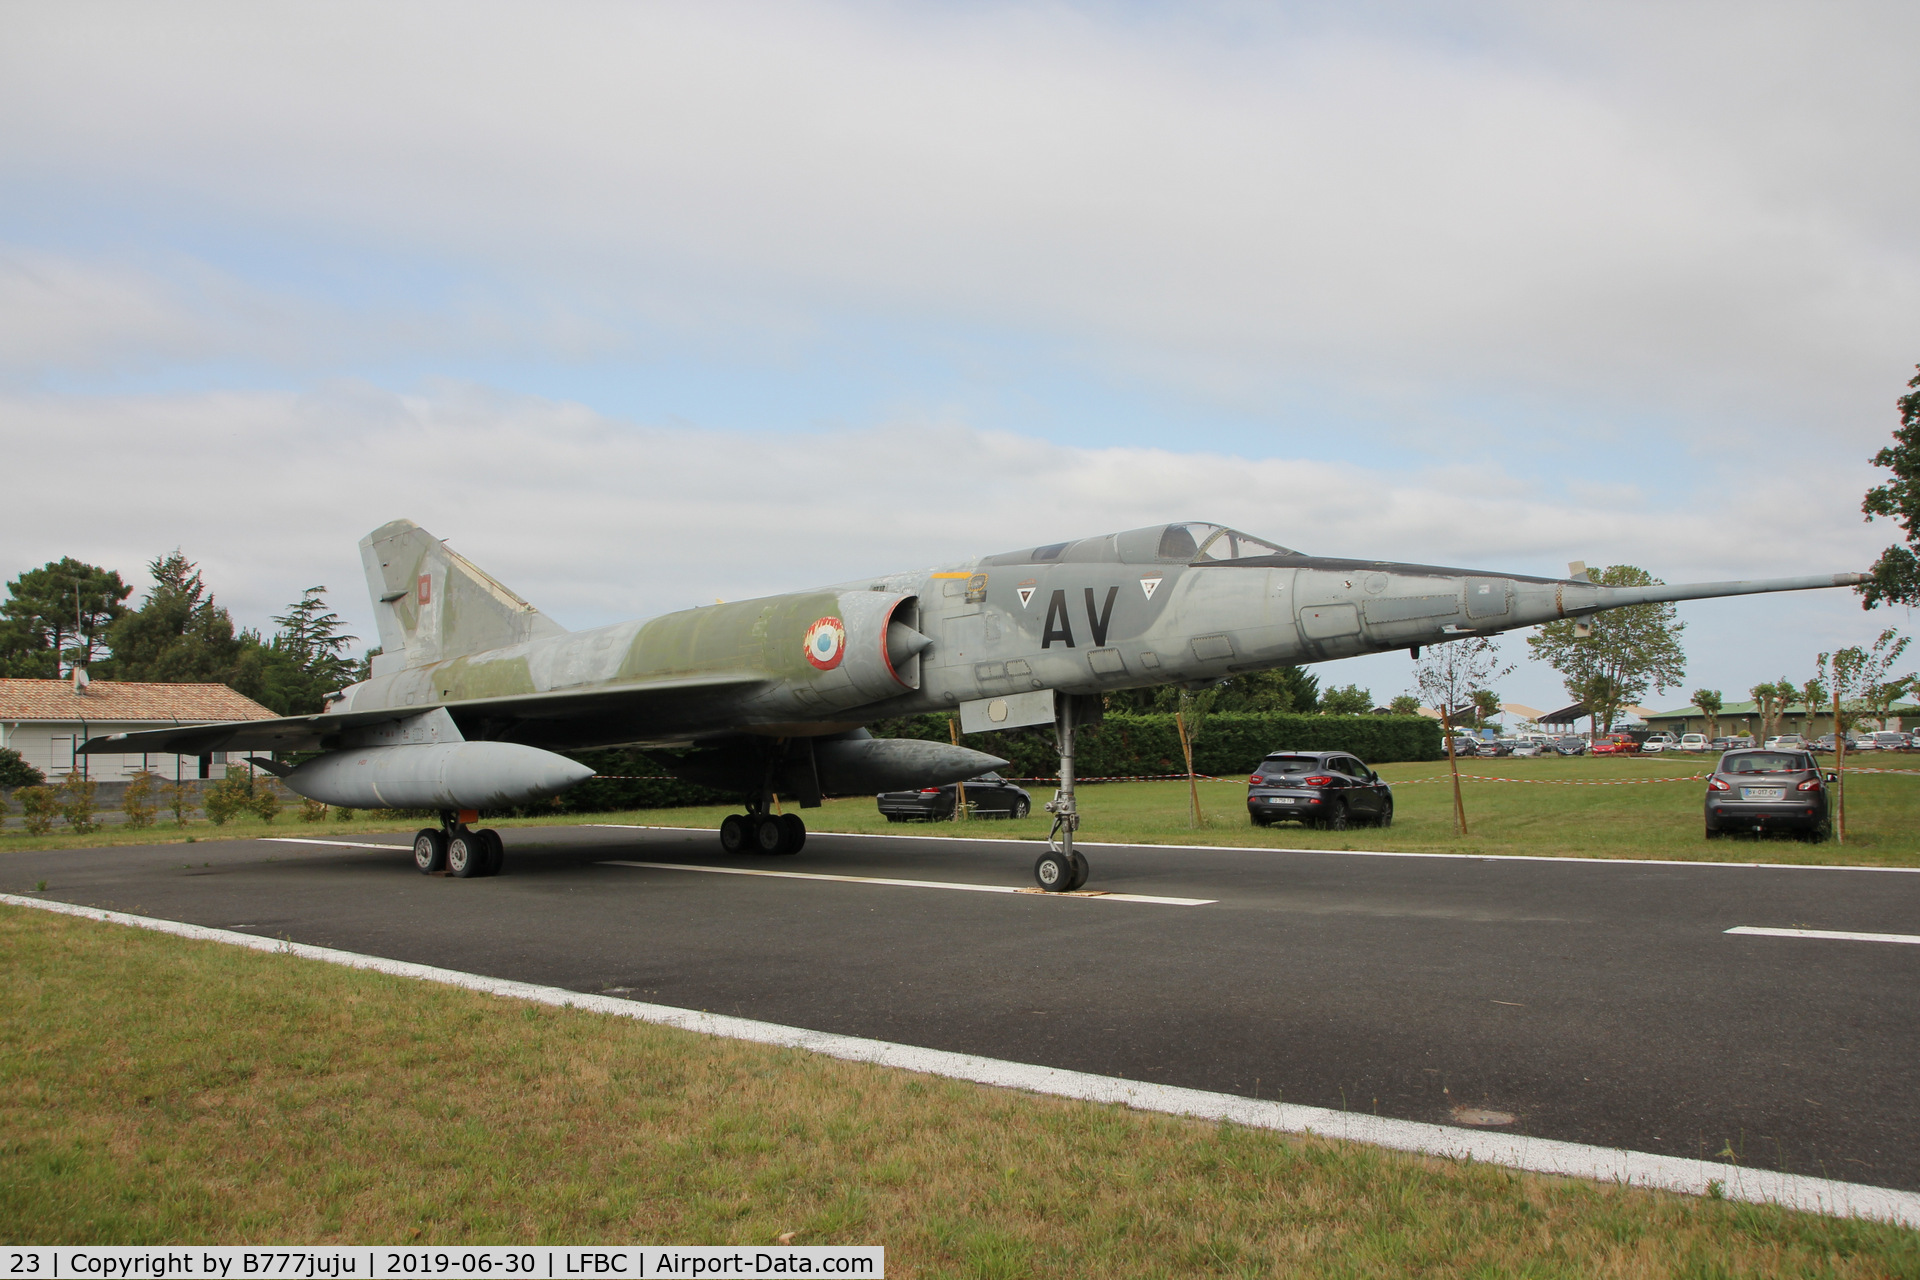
x: 178, y: 634
x: 1350, y: 701
x: 1486, y: 705
x: 1709, y: 701
x: 1895, y: 577
x: 1857, y: 677
x: 1812, y: 696
x: 1635, y: 649
x: 303, y: 662
x: 1771, y: 701
x: 1446, y: 675
x: 1405, y: 705
x: 58, y: 614
x: 1280, y: 689
x: 1601, y: 696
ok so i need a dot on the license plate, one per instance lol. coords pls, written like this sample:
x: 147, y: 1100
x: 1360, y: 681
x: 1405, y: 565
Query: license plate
x: 1762, y: 793
x: 1280, y: 800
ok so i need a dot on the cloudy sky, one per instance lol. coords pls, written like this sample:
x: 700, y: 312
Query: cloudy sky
x: 640, y: 306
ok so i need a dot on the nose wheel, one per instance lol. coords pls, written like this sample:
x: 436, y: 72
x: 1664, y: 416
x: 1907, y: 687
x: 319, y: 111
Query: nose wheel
x: 1062, y: 868
x: 1059, y: 872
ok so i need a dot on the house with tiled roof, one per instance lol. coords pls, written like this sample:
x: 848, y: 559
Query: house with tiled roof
x: 45, y: 720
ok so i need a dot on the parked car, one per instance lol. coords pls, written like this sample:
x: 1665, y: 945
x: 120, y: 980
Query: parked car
x: 1786, y: 742
x: 1768, y: 790
x: 1891, y: 740
x: 1615, y: 744
x: 1327, y: 789
x: 1463, y: 746
x: 1658, y: 742
x: 1531, y: 747
x: 1693, y: 742
x: 1496, y: 746
x: 1730, y: 744
x: 1569, y: 745
x: 989, y: 795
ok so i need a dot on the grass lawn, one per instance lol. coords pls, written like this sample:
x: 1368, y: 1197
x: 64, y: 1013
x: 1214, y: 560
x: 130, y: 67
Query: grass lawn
x: 154, y: 1089
x: 1644, y: 808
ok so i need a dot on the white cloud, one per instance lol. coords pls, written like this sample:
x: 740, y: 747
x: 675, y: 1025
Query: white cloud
x: 597, y: 520
x: 1641, y: 206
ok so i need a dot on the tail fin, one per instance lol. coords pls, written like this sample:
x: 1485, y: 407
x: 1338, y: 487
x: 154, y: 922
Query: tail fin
x: 431, y: 602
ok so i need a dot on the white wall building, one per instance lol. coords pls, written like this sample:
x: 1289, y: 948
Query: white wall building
x: 45, y: 720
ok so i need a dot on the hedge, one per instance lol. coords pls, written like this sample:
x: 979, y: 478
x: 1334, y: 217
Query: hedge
x: 1128, y: 745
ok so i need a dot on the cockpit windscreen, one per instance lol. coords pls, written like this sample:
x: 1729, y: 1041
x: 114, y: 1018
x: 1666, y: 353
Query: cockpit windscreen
x: 1193, y: 542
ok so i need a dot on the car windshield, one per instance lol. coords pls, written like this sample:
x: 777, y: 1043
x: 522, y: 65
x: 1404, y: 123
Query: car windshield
x: 1196, y: 542
x: 1766, y: 762
x: 1280, y: 766
x: 989, y: 777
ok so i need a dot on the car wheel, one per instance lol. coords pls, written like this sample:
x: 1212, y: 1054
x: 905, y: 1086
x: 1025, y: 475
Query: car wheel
x: 1817, y: 834
x: 1386, y: 816
x: 1336, y: 820
x: 1021, y: 808
x: 1259, y: 820
x: 1713, y: 832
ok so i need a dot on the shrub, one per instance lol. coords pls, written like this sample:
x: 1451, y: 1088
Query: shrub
x: 16, y: 772
x: 266, y: 799
x: 312, y: 810
x: 342, y: 814
x: 76, y: 801
x: 228, y: 798
x: 177, y: 798
x: 38, y: 807
x: 138, y: 804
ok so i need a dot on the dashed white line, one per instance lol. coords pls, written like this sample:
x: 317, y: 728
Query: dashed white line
x: 1331, y: 853
x: 1540, y: 1155
x: 914, y: 884
x: 1833, y: 934
x: 338, y: 844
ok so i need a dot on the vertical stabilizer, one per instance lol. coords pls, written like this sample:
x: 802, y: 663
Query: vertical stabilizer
x: 431, y: 602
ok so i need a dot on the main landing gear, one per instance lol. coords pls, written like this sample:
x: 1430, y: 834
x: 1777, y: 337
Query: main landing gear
x: 768, y: 833
x: 1062, y: 868
x: 457, y: 849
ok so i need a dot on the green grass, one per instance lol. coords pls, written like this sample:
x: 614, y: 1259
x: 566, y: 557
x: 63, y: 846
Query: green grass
x: 158, y: 1090
x: 1635, y: 815
x: 1644, y: 809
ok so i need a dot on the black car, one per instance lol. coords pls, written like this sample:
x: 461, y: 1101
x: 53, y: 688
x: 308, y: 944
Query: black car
x: 1568, y: 745
x: 1326, y: 789
x: 1768, y: 791
x: 990, y: 795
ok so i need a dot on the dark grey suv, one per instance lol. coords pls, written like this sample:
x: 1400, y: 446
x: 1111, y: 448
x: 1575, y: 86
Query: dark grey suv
x: 1327, y: 789
x: 1764, y: 790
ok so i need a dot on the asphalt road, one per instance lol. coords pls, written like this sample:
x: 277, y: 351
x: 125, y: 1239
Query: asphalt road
x: 1593, y: 1002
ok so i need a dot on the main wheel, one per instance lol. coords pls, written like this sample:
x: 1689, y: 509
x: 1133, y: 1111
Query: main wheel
x: 796, y: 831
x: 734, y: 833
x: 1336, y: 819
x: 429, y: 851
x: 1386, y: 815
x: 496, y: 851
x: 1021, y: 808
x: 769, y: 835
x: 468, y: 854
x: 1080, y: 871
x: 1053, y: 871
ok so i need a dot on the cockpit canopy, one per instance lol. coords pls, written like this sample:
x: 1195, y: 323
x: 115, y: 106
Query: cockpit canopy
x: 1185, y: 542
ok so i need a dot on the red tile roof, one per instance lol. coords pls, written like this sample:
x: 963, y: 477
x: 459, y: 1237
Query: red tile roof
x: 121, y: 700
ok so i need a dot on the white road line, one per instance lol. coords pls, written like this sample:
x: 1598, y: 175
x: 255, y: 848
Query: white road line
x: 915, y: 884
x: 1912, y: 938
x: 1540, y: 1155
x: 338, y: 844
x: 1331, y: 853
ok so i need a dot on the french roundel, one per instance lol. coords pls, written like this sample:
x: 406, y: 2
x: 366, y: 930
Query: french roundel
x: 826, y: 643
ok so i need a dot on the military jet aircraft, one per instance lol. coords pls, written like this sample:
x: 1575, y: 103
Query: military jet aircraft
x: 476, y: 690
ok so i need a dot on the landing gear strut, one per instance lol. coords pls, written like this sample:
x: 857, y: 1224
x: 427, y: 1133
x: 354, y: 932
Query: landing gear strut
x: 1062, y: 868
x: 457, y: 848
x: 759, y: 830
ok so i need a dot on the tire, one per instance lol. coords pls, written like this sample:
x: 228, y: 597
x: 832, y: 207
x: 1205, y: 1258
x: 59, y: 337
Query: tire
x: 1021, y: 808
x: 496, y: 852
x: 1386, y: 815
x: 1713, y: 832
x: 733, y: 833
x: 1259, y: 820
x: 1053, y: 872
x: 1817, y: 835
x: 896, y: 817
x: 1336, y: 819
x: 767, y: 836
x: 429, y: 851
x: 796, y: 832
x: 1080, y: 871
x: 468, y: 854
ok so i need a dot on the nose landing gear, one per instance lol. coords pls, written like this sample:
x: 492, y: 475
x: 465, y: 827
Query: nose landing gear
x: 1062, y: 868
